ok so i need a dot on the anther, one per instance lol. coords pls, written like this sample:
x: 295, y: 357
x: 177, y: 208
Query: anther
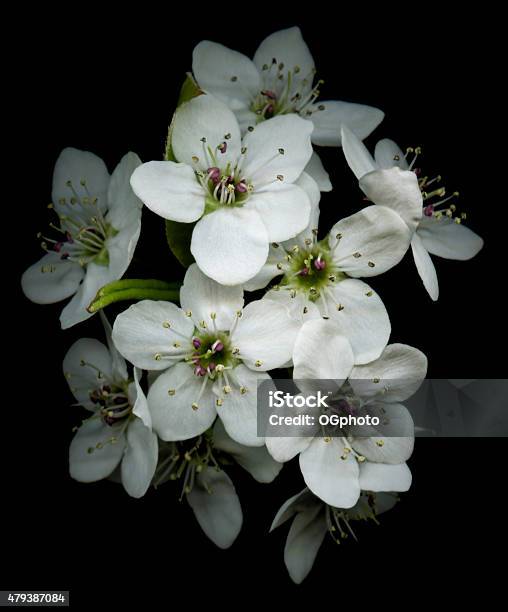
x: 258, y: 363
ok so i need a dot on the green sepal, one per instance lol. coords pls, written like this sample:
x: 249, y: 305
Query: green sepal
x: 133, y: 294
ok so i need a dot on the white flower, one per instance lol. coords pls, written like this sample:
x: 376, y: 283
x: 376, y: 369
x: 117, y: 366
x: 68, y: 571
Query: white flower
x: 99, y: 220
x: 338, y: 464
x: 436, y: 231
x: 279, y: 81
x: 200, y: 463
x: 119, y: 431
x: 321, y: 278
x: 214, y: 352
x: 312, y: 519
x: 243, y: 194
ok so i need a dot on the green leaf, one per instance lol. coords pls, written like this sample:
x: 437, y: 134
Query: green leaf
x: 179, y: 235
x: 133, y: 294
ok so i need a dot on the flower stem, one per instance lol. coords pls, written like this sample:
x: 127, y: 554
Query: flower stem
x: 137, y: 283
x: 135, y: 294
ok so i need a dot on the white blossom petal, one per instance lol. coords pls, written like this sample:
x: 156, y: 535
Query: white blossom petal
x: 322, y: 352
x: 87, y: 366
x: 331, y: 478
x: 79, y: 175
x: 329, y: 115
x: 369, y: 242
x: 230, y: 245
x: 51, y: 279
x: 362, y: 316
x: 140, y: 459
x: 230, y: 76
x: 280, y: 147
x: 216, y: 507
x: 87, y: 463
x: 304, y: 540
x: 283, y: 208
x: 317, y: 171
x: 138, y: 400
x: 265, y: 335
x: 122, y: 201
x: 394, y: 377
x: 169, y: 189
x: 356, y: 153
x: 425, y: 267
x: 182, y: 404
x: 147, y: 332
x: 446, y: 238
x: 202, y: 296
x: 382, y: 477
x: 396, y: 189
x: 205, y: 117
x: 388, y: 154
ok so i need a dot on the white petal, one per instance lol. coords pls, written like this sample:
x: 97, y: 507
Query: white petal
x: 141, y: 332
x: 256, y: 460
x: 291, y: 506
x: 138, y: 398
x: 173, y: 416
x: 371, y: 241
x: 322, y: 352
x: 203, y: 296
x: 230, y: 245
x: 264, y: 159
x: 425, y: 267
x: 362, y: 317
x: 392, y: 441
x: 285, y: 448
x: 356, y: 153
x: 87, y: 463
x: 87, y: 365
x: 299, y: 307
x: 122, y: 201
x: 332, y: 479
x: 170, y: 190
x: 51, y: 279
x: 359, y: 118
x: 72, y: 168
x: 230, y: 76
x: 205, y: 117
x: 383, y: 477
x: 304, y: 540
x: 265, y: 335
x: 140, y: 459
x: 121, y: 247
x: 119, y: 367
x: 388, y: 154
x: 286, y: 47
x: 216, y: 507
x: 396, y: 189
x: 284, y: 209
x: 239, y: 410
x: 448, y: 239
x: 400, y: 371
x: 317, y: 171
x: 76, y: 310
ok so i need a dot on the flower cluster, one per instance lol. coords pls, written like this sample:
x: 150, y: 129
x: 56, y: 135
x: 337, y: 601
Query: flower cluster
x: 172, y: 394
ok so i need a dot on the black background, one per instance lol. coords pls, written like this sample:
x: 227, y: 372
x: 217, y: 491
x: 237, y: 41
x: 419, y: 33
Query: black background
x: 110, y: 86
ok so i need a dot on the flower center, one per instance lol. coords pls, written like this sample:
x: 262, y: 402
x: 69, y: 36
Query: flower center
x: 112, y: 403
x: 82, y: 230
x: 183, y: 460
x: 309, y: 271
x: 213, y: 353
x: 226, y: 185
x: 285, y: 91
x: 434, y: 195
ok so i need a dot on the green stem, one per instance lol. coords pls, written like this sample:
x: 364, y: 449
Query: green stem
x: 137, y: 283
x: 134, y: 293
